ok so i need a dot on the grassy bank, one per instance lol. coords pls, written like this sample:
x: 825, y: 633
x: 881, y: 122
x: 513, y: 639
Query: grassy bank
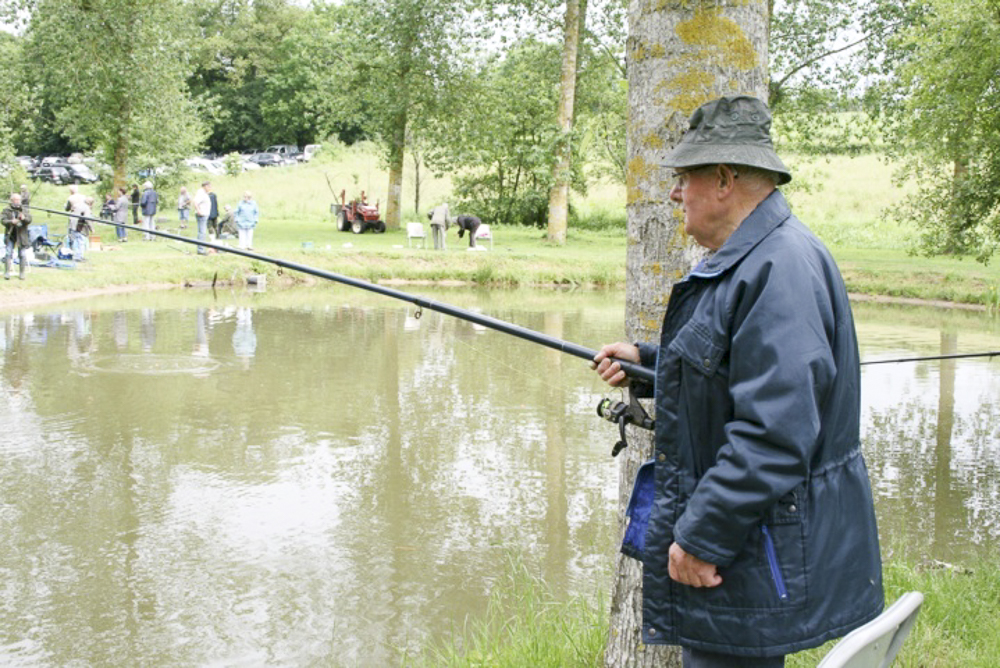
x: 529, y: 626
x: 842, y: 199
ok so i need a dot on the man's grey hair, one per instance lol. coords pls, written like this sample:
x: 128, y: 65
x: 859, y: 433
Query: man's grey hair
x: 757, y: 177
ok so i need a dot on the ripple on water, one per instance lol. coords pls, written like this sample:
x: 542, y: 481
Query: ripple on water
x: 152, y: 365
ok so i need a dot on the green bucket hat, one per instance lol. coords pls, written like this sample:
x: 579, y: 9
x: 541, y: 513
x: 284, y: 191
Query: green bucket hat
x: 731, y: 130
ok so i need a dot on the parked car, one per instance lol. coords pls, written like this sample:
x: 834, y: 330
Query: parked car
x: 308, y: 152
x: 50, y: 160
x: 287, y: 151
x: 203, y: 165
x: 52, y: 174
x: 267, y: 159
x: 79, y: 172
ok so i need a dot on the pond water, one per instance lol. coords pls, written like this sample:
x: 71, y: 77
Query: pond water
x: 318, y: 477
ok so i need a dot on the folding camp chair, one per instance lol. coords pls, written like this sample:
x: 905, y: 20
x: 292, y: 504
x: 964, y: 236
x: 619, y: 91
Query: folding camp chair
x: 415, y: 231
x: 484, y: 233
x: 875, y: 644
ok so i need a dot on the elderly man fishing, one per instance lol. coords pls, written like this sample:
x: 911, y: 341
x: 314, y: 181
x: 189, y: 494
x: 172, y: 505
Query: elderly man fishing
x: 15, y: 221
x: 754, y: 520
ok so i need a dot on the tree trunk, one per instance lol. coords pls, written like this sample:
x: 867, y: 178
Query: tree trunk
x: 121, y: 149
x: 415, y: 154
x: 397, y: 152
x: 559, y: 194
x: 680, y: 55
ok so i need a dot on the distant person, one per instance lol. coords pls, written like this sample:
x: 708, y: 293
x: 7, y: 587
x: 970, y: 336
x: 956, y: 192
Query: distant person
x: 121, y: 214
x: 227, y: 225
x: 148, y: 203
x: 202, y: 207
x: 439, y: 223
x: 468, y: 224
x: 246, y: 217
x: 76, y: 203
x: 135, y: 203
x: 183, y: 207
x: 15, y: 221
x: 213, y: 213
x: 108, y: 208
x: 83, y: 225
x: 25, y: 196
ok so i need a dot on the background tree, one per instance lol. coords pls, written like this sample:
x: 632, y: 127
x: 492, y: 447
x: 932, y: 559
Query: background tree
x: 576, y: 12
x: 939, y: 97
x: 403, y: 55
x: 238, y: 46
x: 500, y: 142
x: 680, y: 55
x: 15, y: 98
x: 112, y: 74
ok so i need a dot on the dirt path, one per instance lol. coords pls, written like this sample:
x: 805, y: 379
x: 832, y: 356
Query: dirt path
x: 12, y: 300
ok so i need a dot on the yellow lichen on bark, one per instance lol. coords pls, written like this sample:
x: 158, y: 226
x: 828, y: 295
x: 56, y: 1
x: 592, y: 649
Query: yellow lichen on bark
x: 638, y: 174
x: 654, y: 141
x: 709, y: 29
x: 714, y: 40
x: 687, y: 91
x: 643, y: 51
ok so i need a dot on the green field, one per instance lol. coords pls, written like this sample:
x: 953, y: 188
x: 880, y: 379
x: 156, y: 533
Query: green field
x: 843, y: 199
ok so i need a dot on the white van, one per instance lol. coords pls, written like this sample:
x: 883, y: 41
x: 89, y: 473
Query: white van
x: 308, y: 151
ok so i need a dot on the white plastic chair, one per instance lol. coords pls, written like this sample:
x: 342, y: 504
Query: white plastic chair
x: 875, y: 644
x: 484, y: 233
x: 415, y: 231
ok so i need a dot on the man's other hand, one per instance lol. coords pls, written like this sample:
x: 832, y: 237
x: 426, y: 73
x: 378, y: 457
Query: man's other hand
x: 690, y: 570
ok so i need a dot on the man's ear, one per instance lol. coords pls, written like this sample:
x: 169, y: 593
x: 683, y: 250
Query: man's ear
x: 727, y: 177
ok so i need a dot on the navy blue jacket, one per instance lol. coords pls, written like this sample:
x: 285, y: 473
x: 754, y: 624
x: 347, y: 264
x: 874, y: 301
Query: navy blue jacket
x: 757, y: 465
x: 148, y: 202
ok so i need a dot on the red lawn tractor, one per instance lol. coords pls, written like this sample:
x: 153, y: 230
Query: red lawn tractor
x: 357, y: 215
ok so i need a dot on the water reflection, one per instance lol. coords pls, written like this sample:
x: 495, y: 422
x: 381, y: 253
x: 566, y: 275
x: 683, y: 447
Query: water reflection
x: 321, y: 477
x: 932, y: 433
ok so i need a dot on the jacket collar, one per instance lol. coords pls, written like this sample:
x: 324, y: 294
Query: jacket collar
x: 770, y: 213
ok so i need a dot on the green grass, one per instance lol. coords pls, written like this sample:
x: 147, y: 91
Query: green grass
x: 527, y: 625
x: 957, y: 624
x: 842, y: 198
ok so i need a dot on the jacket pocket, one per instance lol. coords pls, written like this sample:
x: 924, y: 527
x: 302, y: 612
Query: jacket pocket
x: 703, y: 399
x: 773, y: 564
x: 768, y: 574
x: 694, y: 345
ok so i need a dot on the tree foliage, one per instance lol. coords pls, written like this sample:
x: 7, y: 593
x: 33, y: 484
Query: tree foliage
x: 500, y: 142
x: 15, y: 98
x: 110, y: 77
x: 269, y: 72
x: 939, y: 98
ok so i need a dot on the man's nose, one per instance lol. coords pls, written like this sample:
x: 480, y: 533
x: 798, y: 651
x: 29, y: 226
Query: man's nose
x: 675, y: 193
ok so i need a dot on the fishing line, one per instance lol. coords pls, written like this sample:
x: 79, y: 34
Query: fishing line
x: 930, y: 358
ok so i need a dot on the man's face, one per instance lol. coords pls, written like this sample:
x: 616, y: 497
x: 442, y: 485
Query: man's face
x: 15, y: 201
x: 694, y: 189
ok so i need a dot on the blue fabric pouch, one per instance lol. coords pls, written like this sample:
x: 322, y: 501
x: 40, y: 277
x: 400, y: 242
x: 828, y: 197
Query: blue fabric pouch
x: 640, y: 506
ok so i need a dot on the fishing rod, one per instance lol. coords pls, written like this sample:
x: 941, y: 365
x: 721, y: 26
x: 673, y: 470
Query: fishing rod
x: 930, y: 358
x: 631, y: 369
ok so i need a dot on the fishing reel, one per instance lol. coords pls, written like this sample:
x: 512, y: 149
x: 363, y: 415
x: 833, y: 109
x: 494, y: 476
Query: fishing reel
x: 624, y: 414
